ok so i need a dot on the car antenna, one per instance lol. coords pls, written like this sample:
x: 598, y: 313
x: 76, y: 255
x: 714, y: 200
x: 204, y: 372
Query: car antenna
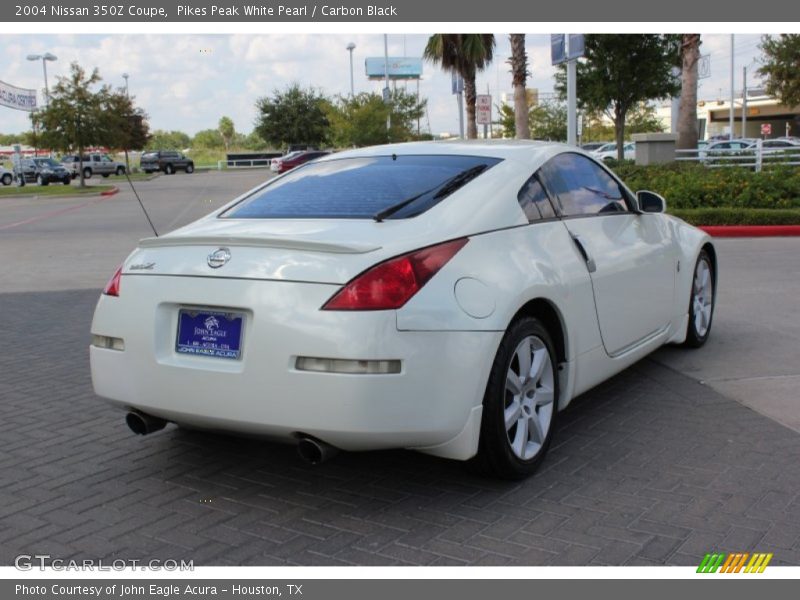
x: 144, y: 210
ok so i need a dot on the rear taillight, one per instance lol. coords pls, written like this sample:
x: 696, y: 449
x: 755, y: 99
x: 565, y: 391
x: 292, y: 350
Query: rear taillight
x: 392, y: 283
x: 112, y: 287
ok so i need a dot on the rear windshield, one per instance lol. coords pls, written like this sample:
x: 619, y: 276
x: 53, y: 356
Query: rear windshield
x: 150, y: 155
x: 362, y: 188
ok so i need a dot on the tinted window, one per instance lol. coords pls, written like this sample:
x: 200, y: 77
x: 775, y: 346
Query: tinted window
x: 150, y: 155
x: 583, y: 187
x: 534, y: 201
x: 361, y: 188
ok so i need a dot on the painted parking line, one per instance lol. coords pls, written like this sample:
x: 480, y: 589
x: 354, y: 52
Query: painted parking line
x: 54, y: 213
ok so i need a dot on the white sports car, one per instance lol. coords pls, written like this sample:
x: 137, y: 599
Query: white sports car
x: 449, y: 298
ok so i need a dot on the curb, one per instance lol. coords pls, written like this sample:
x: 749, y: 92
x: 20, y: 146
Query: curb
x: 751, y: 230
x: 110, y: 192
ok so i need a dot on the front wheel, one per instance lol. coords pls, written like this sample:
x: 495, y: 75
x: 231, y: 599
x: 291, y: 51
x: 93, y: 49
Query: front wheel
x: 41, y: 180
x: 520, y: 403
x: 87, y: 173
x: 169, y: 170
x: 120, y: 171
x: 7, y: 179
x: 701, y: 302
x: 190, y: 168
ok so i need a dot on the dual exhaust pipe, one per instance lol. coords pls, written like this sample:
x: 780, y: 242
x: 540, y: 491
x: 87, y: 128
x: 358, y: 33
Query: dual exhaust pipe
x: 312, y: 451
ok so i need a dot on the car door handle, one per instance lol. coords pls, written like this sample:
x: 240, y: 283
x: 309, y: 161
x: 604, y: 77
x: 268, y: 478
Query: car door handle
x: 582, y: 249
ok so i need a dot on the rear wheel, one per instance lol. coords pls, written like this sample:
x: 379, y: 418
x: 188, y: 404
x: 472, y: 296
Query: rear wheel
x: 120, y: 171
x: 520, y: 404
x: 701, y: 302
x: 66, y: 180
x: 41, y: 180
x: 169, y: 169
x: 7, y: 179
x: 87, y: 173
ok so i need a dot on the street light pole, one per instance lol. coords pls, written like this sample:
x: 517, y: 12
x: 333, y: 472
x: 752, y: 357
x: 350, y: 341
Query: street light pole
x: 730, y: 125
x: 350, y: 47
x: 127, y: 92
x: 44, y: 58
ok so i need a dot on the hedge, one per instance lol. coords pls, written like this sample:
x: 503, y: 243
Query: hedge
x: 687, y: 185
x: 737, y: 216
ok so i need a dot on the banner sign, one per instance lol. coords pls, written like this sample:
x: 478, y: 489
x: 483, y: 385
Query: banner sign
x: 19, y: 98
x: 400, y: 67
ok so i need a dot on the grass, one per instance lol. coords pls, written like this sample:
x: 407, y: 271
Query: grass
x: 51, y: 190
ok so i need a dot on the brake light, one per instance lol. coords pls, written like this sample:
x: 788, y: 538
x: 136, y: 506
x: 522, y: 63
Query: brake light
x: 392, y: 283
x: 112, y: 287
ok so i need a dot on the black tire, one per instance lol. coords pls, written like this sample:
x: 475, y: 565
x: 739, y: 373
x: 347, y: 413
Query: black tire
x: 7, y: 179
x: 190, y: 168
x: 698, y: 329
x: 495, y: 454
x: 41, y: 181
x: 87, y: 173
x: 120, y: 171
x: 66, y: 180
x: 106, y: 174
x: 169, y: 169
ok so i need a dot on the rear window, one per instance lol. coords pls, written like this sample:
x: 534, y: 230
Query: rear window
x: 150, y: 155
x: 391, y: 187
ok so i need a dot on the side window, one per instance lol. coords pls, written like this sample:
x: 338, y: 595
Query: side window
x: 534, y: 201
x: 583, y: 187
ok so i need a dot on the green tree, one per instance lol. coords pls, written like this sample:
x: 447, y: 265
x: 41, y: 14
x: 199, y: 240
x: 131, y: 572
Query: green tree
x: 227, y: 131
x: 168, y: 140
x: 548, y: 121
x: 465, y: 54
x: 293, y: 116
x: 623, y: 70
x: 80, y: 114
x: 642, y: 118
x: 781, y: 68
x: 361, y: 120
x: 519, y: 78
x: 208, y: 138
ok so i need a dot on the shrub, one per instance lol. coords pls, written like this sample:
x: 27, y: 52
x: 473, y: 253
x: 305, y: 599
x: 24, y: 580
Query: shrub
x: 686, y: 185
x: 737, y: 216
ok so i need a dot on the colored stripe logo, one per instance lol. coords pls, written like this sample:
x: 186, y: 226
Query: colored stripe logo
x: 735, y: 562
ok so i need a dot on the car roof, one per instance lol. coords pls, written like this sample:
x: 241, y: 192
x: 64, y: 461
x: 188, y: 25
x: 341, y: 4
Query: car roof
x: 522, y: 151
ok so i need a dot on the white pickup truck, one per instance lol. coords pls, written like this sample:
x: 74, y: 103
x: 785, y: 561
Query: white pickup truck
x: 93, y: 164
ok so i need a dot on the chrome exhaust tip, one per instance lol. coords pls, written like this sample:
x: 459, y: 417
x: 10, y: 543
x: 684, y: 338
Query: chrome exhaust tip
x: 315, y: 452
x: 142, y: 424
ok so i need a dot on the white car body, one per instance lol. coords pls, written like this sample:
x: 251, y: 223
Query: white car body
x: 282, y: 271
x: 609, y: 151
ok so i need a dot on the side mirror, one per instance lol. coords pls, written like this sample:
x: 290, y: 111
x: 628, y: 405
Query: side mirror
x: 650, y: 202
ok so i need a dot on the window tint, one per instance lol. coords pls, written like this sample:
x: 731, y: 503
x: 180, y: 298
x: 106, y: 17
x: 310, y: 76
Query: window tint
x: 583, y: 187
x: 534, y: 201
x: 362, y: 188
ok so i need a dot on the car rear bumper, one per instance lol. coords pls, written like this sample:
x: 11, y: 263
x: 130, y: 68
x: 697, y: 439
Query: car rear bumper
x: 428, y: 403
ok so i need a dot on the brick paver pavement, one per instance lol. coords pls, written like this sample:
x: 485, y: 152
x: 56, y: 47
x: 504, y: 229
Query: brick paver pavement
x: 649, y: 468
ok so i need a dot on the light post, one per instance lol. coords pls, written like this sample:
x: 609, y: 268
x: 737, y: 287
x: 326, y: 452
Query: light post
x: 44, y: 58
x: 350, y: 47
x: 125, y: 77
x: 128, y: 96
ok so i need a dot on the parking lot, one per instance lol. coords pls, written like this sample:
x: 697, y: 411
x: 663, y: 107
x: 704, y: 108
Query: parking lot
x: 684, y: 453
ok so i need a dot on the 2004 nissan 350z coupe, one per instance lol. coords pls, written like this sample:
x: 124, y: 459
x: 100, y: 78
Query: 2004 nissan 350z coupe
x: 449, y: 298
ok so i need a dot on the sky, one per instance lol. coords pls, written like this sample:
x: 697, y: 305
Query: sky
x: 188, y: 81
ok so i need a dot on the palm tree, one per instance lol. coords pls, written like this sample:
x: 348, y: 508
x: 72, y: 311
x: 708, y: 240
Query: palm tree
x: 464, y: 54
x: 519, y: 75
x: 687, y: 111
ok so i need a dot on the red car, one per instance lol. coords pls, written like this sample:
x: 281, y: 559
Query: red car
x: 295, y: 159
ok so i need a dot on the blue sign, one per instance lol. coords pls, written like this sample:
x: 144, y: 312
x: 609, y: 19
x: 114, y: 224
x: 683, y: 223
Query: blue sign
x: 209, y: 333
x: 558, y: 50
x: 401, y: 67
x: 576, y: 46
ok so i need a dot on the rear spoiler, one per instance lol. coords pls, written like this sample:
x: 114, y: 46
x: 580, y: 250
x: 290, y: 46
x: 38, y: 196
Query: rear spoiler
x: 332, y: 247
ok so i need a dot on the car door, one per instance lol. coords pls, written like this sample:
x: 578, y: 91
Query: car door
x: 630, y: 256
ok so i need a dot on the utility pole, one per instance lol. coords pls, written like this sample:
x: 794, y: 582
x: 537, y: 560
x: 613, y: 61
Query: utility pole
x: 386, y: 91
x: 730, y: 124
x: 572, y: 111
x: 744, y: 102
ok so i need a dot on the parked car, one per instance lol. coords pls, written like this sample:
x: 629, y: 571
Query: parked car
x: 592, y: 146
x: 92, y: 164
x: 167, y: 161
x: 44, y: 171
x: 275, y: 163
x: 609, y: 151
x: 433, y: 296
x: 724, y: 148
x: 6, y: 176
x: 290, y: 162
